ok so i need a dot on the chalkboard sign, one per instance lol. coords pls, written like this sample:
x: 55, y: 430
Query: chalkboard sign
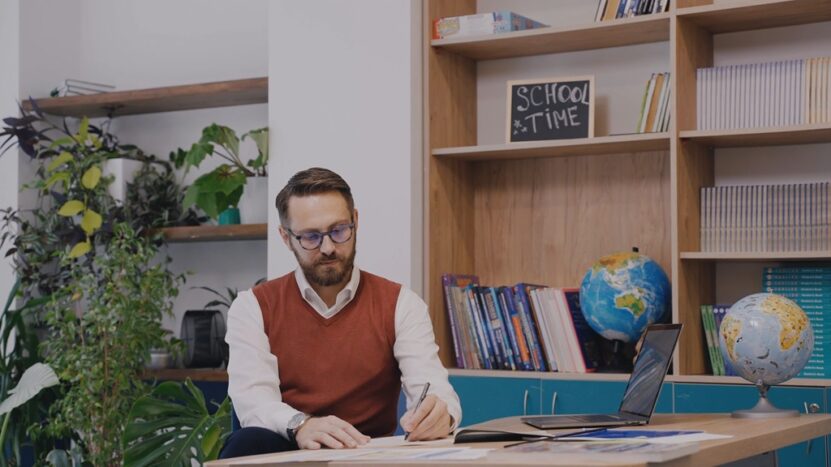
x: 550, y: 108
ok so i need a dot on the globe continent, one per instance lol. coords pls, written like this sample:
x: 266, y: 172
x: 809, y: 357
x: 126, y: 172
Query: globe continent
x: 767, y: 338
x: 622, y: 294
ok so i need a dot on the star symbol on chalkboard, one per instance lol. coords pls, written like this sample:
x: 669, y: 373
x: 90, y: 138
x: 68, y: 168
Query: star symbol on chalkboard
x: 525, y: 129
x: 517, y: 124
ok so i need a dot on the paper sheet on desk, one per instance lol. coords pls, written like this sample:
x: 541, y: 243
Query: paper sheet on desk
x: 649, y: 436
x: 369, y: 454
x: 399, y: 441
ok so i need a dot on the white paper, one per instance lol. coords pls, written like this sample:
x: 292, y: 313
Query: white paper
x: 398, y: 441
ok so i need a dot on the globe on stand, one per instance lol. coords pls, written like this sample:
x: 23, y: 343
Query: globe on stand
x: 768, y: 339
x: 622, y: 294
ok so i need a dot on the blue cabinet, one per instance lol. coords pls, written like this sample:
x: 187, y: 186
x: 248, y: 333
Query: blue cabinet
x: 704, y: 398
x: 568, y: 396
x: 485, y: 397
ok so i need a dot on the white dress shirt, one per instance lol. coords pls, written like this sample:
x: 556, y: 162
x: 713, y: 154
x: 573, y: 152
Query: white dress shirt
x: 254, y: 379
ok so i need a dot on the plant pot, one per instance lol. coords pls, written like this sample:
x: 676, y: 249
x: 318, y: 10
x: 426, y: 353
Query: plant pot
x: 229, y: 216
x: 253, y: 205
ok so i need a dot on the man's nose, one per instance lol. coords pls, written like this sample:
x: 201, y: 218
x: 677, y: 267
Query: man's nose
x: 327, y: 246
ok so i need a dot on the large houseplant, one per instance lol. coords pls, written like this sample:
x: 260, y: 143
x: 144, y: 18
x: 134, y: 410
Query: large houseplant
x: 221, y: 188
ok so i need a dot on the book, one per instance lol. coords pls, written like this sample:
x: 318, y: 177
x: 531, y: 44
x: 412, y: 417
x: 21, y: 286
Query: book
x: 448, y: 281
x: 589, y: 343
x: 482, y: 24
x: 509, y: 302
x: 532, y: 335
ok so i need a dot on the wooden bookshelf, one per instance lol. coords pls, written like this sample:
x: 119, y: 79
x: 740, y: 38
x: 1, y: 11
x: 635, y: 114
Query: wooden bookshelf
x: 181, y: 374
x: 215, y: 233
x: 162, y: 99
x: 615, y: 144
x: 763, y: 256
x: 542, y: 212
x: 742, y: 15
x: 749, y: 137
x: 628, y: 31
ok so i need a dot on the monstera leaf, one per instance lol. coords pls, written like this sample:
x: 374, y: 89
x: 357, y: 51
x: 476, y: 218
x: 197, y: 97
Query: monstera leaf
x: 171, y: 426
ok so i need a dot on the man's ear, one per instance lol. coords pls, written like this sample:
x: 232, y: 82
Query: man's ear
x: 285, y: 236
x: 355, y: 218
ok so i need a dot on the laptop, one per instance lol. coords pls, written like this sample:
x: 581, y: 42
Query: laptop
x: 641, y: 393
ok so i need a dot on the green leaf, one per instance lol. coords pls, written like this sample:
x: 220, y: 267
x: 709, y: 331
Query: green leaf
x: 80, y: 249
x: 65, y: 141
x: 56, y: 177
x: 91, y: 222
x: 260, y: 137
x: 197, y: 153
x: 91, y: 177
x: 191, y: 195
x: 71, y: 208
x: 83, y: 131
x: 36, y: 378
x: 223, y: 136
x: 62, y: 159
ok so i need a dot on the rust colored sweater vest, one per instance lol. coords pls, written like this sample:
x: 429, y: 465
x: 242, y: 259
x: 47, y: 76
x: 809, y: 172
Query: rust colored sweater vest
x: 342, y: 366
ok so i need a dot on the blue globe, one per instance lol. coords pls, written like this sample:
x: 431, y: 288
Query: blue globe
x: 767, y: 338
x: 622, y: 294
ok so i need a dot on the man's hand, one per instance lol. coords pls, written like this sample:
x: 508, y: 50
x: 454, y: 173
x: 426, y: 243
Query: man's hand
x: 430, y: 421
x: 330, y: 432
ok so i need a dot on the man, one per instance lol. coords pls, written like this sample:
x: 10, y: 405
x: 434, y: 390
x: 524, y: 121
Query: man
x: 319, y: 355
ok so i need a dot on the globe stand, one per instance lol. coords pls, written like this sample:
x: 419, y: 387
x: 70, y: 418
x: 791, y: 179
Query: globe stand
x: 764, y: 408
x: 616, y: 359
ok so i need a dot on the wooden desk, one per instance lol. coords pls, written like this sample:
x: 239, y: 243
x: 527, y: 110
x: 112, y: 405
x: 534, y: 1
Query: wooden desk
x: 750, y: 438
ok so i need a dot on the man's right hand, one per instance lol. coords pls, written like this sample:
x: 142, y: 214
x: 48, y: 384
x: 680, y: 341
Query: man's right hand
x: 330, y: 432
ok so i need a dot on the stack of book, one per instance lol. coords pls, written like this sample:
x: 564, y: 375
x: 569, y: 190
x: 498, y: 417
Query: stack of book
x: 766, y: 218
x: 613, y: 9
x: 711, y: 317
x: 655, y: 108
x: 810, y: 288
x: 75, y: 87
x: 520, y: 327
x: 791, y: 92
x: 482, y: 24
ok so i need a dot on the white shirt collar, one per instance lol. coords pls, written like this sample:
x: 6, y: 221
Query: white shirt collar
x: 313, y: 299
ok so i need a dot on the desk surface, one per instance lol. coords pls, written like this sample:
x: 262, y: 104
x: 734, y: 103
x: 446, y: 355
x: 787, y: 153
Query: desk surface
x: 750, y: 437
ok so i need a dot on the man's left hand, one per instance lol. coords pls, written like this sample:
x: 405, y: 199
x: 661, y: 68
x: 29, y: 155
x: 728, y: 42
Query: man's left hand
x: 430, y: 421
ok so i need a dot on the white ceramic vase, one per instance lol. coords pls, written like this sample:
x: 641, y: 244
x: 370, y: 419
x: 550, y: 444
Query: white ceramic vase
x: 253, y: 205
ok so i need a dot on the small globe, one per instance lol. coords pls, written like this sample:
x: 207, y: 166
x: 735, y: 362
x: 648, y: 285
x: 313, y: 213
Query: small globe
x: 767, y: 338
x: 622, y: 294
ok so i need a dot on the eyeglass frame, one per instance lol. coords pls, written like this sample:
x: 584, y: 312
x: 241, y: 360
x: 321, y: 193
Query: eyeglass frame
x: 323, y: 235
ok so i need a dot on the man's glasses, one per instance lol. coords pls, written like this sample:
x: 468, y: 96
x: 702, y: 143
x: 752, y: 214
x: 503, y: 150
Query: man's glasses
x: 340, y: 233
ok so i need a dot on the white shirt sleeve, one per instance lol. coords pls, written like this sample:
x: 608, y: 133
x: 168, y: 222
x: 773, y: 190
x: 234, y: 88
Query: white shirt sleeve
x: 253, y: 380
x: 417, y: 354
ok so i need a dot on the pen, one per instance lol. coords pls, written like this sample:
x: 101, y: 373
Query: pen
x: 418, y: 404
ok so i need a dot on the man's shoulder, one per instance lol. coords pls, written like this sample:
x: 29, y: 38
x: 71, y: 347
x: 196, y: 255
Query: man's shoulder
x: 378, y: 281
x: 273, y: 284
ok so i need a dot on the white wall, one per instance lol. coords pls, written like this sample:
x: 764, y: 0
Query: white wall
x: 9, y: 82
x: 159, y: 43
x: 345, y: 94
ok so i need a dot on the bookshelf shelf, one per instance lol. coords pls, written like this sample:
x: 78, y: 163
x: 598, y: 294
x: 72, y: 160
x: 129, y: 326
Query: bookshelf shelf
x: 213, y: 233
x: 628, y: 31
x: 749, y: 137
x: 758, y: 256
x: 742, y: 15
x: 616, y: 144
x: 162, y: 99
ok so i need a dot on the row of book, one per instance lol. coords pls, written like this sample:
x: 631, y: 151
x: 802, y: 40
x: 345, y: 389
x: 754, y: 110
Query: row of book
x: 810, y: 288
x: 612, y: 9
x: 494, y: 22
x: 76, y: 87
x: 522, y: 327
x: 762, y: 218
x: 655, y: 105
x: 711, y: 317
x: 790, y: 92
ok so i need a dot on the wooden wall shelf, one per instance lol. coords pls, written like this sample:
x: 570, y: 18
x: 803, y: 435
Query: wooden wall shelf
x: 617, y: 144
x: 755, y: 14
x: 629, y: 31
x: 763, y: 256
x: 162, y: 99
x: 747, y: 137
x: 195, y: 374
x: 215, y: 233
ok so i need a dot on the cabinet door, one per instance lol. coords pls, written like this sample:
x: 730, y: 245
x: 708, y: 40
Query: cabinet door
x: 568, y: 397
x: 485, y: 398
x: 704, y: 398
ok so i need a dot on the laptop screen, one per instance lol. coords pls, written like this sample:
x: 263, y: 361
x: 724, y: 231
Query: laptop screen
x: 650, y: 368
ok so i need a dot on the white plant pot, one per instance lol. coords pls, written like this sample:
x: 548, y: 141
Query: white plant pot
x: 253, y: 205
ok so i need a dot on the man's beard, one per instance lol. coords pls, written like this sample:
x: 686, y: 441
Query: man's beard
x: 324, y: 275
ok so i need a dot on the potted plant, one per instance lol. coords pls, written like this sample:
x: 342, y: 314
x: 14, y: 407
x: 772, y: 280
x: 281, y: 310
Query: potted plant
x: 218, y: 193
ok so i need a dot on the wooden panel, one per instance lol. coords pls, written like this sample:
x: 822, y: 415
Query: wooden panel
x: 693, y: 49
x: 759, y: 256
x: 163, y: 99
x: 560, y: 148
x: 629, y: 31
x: 741, y: 15
x: 547, y: 221
x: 749, y: 137
x: 212, y: 233
x: 450, y: 110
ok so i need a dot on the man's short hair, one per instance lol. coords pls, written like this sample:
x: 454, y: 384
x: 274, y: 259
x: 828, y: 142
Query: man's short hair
x: 312, y: 182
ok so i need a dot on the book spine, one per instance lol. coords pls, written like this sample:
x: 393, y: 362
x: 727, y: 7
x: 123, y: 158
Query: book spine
x: 451, y: 315
x: 508, y: 301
